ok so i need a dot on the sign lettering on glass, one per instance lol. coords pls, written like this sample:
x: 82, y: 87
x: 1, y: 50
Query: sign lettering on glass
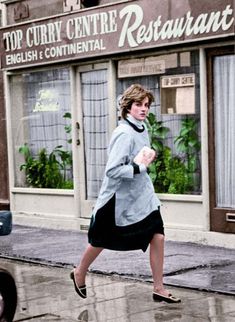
x: 46, y: 101
x: 178, y: 81
x: 113, y: 29
x: 140, y: 67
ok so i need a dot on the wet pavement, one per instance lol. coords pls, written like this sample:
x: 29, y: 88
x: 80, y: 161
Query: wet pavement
x: 187, y: 265
x: 45, y: 293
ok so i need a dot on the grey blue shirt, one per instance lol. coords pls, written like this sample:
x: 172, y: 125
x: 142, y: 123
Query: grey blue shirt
x: 134, y: 193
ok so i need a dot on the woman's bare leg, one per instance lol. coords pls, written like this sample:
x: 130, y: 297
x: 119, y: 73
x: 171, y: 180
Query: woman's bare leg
x: 87, y: 259
x: 156, y: 263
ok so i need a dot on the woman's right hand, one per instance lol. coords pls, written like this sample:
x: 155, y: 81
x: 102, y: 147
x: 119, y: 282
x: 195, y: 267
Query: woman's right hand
x: 146, y: 156
x: 148, y: 159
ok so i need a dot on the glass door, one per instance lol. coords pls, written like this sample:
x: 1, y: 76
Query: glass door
x: 93, y: 127
x: 222, y: 141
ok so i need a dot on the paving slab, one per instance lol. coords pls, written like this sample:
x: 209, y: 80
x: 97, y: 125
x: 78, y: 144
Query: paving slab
x: 186, y: 264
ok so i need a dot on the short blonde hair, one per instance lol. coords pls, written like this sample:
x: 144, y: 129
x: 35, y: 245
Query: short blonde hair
x: 134, y: 93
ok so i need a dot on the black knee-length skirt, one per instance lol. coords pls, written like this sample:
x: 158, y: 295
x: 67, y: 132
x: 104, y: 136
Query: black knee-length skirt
x: 104, y: 233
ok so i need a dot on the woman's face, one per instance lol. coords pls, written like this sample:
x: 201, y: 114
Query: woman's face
x: 139, y: 110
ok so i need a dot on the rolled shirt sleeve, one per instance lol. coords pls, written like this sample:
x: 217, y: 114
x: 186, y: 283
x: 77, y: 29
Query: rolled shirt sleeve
x: 142, y: 168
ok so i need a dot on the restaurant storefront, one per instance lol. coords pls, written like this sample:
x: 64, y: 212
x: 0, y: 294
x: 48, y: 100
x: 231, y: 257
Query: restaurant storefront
x: 63, y: 78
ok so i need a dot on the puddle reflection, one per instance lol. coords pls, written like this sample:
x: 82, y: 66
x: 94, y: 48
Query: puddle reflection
x: 48, y: 291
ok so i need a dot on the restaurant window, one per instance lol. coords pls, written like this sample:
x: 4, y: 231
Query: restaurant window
x: 174, y: 117
x: 41, y: 129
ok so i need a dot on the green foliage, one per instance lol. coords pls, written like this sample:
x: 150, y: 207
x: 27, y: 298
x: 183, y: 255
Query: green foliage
x: 188, y: 143
x: 157, y: 132
x: 48, y: 171
x: 180, y: 181
x: 41, y: 172
x: 65, y: 159
x: 170, y: 173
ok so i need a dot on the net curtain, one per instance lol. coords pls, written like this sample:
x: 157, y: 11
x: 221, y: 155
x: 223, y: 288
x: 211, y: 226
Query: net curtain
x: 224, y: 111
x: 95, y: 128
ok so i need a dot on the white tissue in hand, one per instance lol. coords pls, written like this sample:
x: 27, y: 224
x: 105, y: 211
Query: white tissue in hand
x: 145, y: 153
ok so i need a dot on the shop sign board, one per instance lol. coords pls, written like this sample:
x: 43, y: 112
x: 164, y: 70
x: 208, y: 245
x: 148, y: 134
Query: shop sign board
x: 140, y: 67
x: 178, y: 94
x: 115, y: 28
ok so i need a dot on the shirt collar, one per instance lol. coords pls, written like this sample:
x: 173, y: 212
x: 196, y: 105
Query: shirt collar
x: 136, y: 122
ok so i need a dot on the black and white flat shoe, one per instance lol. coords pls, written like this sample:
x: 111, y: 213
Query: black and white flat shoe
x: 81, y: 290
x: 169, y: 299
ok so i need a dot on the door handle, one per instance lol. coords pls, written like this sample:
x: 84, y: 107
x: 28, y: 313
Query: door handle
x: 78, y: 128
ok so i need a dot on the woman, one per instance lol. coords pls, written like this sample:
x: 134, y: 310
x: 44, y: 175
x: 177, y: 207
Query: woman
x: 126, y: 215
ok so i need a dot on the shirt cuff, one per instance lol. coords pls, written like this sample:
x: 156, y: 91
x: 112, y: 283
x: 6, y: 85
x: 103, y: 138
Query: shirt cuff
x: 138, y: 168
x: 142, y: 168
